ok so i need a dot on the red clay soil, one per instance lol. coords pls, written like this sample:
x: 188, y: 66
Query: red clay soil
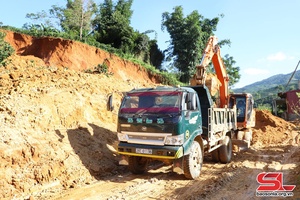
x: 270, y: 129
x: 57, y: 52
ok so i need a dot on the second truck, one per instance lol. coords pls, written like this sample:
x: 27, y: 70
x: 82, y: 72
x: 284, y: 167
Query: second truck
x: 179, y: 125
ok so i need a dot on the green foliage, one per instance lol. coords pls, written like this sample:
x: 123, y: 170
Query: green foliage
x: 232, y: 71
x: 165, y: 78
x: 141, y: 46
x: 42, y: 30
x: 264, y: 99
x: 113, y: 25
x: 100, y: 69
x: 170, y: 79
x: 185, y: 41
x: 107, y: 27
x: 188, y: 38
x: 6, y: 49
x: 264, y: 107
x: 78, y: 16
x: 156, y: 55
x: 39, y: 18
x: 75, y: 20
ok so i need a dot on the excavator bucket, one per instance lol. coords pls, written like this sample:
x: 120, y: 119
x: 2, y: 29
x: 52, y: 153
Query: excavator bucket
x: 213, y: 84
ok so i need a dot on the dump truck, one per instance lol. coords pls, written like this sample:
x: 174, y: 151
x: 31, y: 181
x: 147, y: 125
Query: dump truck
x: 179, y: 125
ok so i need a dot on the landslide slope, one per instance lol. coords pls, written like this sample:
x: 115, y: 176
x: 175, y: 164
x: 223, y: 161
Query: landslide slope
x: 55, y: 129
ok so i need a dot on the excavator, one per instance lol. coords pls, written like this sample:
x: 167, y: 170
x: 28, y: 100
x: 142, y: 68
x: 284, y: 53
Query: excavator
x: 218, y: 86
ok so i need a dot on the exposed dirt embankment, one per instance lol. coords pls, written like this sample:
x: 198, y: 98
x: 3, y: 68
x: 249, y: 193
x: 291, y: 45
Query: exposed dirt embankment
x: 56, y: 133
x: 54, y: 124
x: 57, y: 52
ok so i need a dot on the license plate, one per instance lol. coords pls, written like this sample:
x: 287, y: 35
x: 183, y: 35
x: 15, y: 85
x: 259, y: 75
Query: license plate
x: 143, y: 151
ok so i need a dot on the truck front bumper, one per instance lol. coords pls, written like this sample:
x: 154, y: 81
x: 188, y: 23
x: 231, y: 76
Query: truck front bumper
x: 150, y: 151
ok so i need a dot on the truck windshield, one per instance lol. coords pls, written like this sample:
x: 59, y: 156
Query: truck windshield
x: 152, y: 102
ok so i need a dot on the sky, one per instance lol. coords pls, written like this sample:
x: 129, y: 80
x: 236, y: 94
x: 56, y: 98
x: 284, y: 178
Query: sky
x: 264, y: 34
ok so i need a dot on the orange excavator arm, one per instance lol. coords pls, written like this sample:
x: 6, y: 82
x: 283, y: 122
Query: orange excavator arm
x: 212, y: 54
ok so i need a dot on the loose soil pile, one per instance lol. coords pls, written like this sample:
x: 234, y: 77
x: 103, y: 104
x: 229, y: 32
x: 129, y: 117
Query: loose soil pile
x: 55, y: 130
x: 270, y: 129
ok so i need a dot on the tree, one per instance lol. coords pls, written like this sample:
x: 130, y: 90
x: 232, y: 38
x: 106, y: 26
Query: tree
x: 113, y: 25
x: 188, y: 37
x: 39, y: 18
x: 232, y: 71
x: 280, y: 88
x: 75, y: 19
x: 78, y: 16
x: 110, y: 24
x: 156, y: 55
x: 141, y: 46
x: 147, y: 50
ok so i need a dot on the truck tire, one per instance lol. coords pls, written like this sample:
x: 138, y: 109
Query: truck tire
x: 215, y: 156
x: 225, y: 151
x: 137, y: 165
x: 193, y: 162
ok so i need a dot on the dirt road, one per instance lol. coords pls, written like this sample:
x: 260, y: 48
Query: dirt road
x: 235, y: 180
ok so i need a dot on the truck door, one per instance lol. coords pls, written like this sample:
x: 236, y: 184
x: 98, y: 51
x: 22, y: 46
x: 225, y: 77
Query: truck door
x: 192, y: 114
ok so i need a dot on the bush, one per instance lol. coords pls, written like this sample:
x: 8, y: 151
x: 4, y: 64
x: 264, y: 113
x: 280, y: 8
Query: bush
x: 100, y: 69
x: 267, y: 107
x: 6, y: 49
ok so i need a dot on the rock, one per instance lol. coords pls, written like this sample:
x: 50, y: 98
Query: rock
x: 15, y: 75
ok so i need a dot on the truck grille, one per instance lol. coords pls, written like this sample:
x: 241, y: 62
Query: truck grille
x: 147, y: 138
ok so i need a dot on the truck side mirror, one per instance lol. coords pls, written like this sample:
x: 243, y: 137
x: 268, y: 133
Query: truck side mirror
x: 191, y: 101
x: 110, y: 106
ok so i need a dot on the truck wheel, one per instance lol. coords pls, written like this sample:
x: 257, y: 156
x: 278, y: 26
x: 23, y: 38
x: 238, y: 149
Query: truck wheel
x: 137, y: 165
x: 225, y: 151
x: 193, y: 162
x: 215, y: 155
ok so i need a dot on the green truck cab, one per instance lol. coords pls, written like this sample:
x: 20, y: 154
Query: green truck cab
x: 176, y: 125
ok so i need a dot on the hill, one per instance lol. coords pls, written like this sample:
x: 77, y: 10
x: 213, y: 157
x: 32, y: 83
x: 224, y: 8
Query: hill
x: 270, y: 83
x: 57, y: 134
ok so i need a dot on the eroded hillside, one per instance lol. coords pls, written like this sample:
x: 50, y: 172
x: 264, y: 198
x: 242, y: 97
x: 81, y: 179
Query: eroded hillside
x: 51, y: 109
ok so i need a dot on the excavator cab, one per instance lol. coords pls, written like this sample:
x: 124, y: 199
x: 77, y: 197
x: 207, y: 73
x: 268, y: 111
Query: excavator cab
x: 245, y: 109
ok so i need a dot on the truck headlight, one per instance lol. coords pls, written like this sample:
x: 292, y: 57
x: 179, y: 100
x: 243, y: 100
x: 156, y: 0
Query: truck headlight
x: 122, y: 137
x: 175, y: 140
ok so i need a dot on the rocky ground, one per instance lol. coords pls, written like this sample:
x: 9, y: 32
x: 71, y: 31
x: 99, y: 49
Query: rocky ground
x: 57, y: 135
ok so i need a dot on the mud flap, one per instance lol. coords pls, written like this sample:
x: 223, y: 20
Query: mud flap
x: 178, y: 165
x: 123, y: 160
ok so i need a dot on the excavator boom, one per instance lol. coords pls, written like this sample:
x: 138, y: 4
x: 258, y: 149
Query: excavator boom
x: 212, y: 54
x: 243, y: 101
